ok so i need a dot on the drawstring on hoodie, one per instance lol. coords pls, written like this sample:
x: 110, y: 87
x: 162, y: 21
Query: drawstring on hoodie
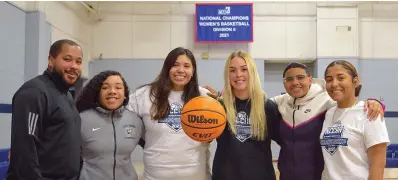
x: 294, y: 124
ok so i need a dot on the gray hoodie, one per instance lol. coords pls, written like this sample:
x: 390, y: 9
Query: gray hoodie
x: 103, y: 159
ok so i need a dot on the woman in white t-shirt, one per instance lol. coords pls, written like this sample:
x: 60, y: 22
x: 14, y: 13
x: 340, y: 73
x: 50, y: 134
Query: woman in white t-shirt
x: 353, y: 147
x: 169, y: 154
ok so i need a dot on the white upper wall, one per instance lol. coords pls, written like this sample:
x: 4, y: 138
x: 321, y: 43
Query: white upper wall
x: 337, y: 31
x: 68, y: 20
x: 378, y: 30
x: 149, y: 30
x: 300, y: 30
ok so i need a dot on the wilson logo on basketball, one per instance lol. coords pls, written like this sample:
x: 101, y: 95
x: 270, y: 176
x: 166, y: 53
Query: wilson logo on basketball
x: 201, y: 119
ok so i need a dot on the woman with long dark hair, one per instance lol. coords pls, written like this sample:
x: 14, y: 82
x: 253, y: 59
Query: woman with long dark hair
x: 109, y: 131
x: 168, y: 152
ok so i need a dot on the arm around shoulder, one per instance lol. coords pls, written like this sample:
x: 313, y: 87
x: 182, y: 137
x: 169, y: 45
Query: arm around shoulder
x: 278, y: 99
x: 273, y: 120
x: 137, y: 99
x: 133, y: 103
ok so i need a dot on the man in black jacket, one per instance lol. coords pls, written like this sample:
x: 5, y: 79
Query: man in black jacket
x: 45, y: 131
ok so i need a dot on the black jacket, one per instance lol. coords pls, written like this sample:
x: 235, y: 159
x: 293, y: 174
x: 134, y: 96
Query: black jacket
x: 45, y: 131
x: 241, y: 157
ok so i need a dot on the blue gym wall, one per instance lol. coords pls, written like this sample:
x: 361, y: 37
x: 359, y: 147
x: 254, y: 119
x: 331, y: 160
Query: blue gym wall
x: 12, y: 50
x: 25, y: 39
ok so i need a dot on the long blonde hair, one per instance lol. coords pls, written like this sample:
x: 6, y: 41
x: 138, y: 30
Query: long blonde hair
x: 258, y: 121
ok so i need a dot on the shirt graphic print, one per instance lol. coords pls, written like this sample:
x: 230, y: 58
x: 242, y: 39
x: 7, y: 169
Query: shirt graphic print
x: 173, y: 118
x: 333, y: 138
x: 243, y: 126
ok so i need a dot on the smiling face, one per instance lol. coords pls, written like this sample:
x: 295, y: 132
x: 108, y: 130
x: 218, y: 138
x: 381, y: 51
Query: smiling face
x: 68, y: 63
x: 238, y: 75
x: 297, y: 82
x: 340, y: 84
x: 112, y: 95
x: 181, y: 72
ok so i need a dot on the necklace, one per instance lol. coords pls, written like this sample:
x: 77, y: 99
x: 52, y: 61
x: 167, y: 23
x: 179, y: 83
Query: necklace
x: 339, y: 120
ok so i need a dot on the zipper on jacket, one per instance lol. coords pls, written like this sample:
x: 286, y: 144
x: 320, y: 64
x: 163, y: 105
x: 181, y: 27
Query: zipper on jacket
x: 293, y: 133
x: 115, y: 142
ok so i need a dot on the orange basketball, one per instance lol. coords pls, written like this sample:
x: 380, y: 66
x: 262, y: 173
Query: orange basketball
x: 203, y: 118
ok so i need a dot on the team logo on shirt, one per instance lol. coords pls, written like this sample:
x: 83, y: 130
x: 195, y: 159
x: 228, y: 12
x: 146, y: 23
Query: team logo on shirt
x: 333, y: 138
x: 129, y: 131
x: 243, y: 127
x: 173, y: 118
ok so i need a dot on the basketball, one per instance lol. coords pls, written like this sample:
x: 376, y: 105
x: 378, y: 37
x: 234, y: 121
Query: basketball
x: 203, y: 118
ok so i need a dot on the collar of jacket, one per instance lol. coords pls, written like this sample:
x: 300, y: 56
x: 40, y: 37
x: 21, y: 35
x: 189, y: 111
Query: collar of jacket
x: 58, y: 80
x: 116, y: 113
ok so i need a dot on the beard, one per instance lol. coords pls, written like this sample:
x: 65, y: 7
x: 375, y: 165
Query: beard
x: 61, y: 74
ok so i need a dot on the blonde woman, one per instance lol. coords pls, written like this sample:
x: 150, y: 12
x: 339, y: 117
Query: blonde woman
x: 244, y: 149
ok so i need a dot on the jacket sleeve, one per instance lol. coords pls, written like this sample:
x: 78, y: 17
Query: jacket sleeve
x: 279, y: 99
x: 28, y: 109
x: 273, y: 120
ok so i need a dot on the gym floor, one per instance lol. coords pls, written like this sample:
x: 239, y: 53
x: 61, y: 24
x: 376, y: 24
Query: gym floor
x: 389, y: 173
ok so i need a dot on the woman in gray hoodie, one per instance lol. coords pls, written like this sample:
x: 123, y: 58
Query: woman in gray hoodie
x: 109, y: 132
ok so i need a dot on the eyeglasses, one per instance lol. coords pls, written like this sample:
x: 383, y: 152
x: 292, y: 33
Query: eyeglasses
x: 291, y: 79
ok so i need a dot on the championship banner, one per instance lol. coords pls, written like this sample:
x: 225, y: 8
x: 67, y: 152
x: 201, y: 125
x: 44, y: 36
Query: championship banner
x: 224, y: 23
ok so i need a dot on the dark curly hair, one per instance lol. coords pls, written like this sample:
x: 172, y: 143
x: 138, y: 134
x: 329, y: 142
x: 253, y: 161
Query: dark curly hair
x: 89, y: 96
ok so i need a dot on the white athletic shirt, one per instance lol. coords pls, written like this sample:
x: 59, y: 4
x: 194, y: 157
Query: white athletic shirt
x: 345, y: 139
x: 169, y: 154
